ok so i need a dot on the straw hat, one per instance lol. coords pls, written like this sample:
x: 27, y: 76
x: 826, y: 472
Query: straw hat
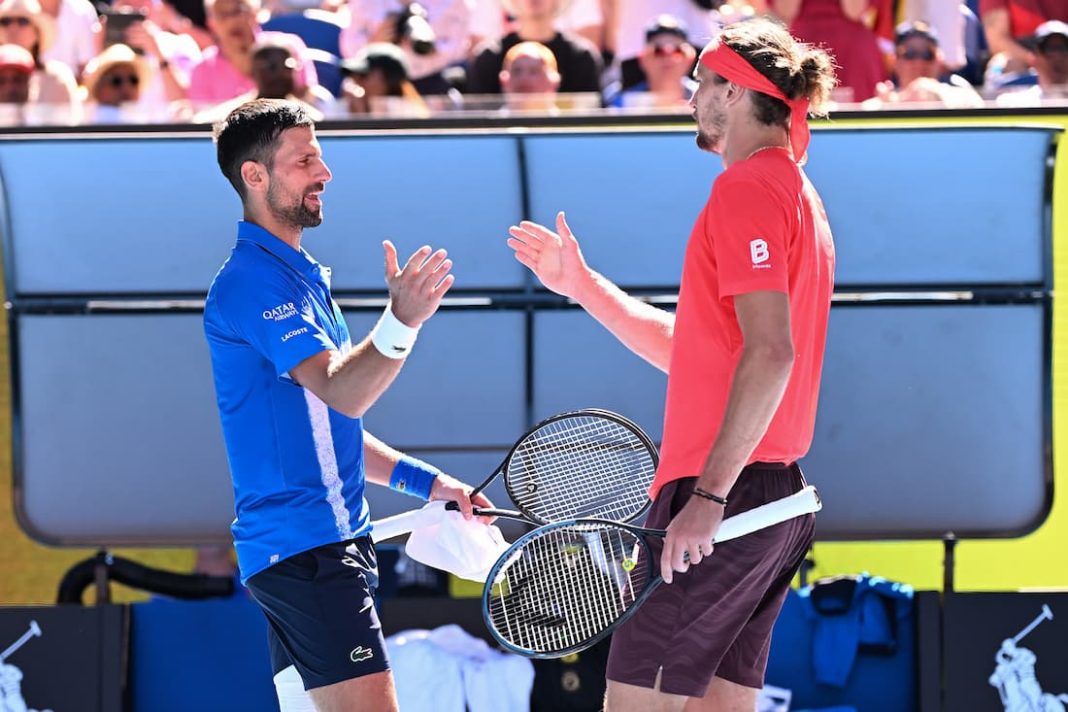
x: 46, y: 28
x: 112, y: 56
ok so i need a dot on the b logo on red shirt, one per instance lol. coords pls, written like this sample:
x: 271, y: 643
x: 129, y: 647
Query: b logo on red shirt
x: 758, y: 251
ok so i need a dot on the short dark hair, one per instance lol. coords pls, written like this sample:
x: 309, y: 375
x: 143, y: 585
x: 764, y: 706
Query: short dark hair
x: 250, y: 133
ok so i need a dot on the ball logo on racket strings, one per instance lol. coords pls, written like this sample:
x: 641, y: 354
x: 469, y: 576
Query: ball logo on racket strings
x: 564, y: 586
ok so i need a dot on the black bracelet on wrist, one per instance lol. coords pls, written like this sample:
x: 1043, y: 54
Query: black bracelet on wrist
x: 697, y: 491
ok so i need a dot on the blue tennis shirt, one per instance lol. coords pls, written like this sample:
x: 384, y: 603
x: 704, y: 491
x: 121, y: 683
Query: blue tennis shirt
x: 296, y: 465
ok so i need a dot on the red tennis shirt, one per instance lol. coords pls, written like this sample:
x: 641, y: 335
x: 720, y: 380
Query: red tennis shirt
x: 763, y: 229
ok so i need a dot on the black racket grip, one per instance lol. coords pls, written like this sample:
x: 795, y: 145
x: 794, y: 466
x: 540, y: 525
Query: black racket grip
x: 480, y: 512
x: 455, y: 507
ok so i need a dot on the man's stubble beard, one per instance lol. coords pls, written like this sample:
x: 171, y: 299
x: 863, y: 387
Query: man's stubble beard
x: 295, y: 215
x: 709, y: 143
x: 712, y: 142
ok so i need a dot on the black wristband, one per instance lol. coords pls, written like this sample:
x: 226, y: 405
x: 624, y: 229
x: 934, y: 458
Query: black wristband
x: 697, y: 491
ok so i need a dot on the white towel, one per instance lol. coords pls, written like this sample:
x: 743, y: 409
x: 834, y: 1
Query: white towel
x: 466, y: 548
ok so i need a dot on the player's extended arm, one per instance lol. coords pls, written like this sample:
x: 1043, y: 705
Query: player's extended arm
x: 379, y: 460
x: 555, y: 258
x: 350, y: 383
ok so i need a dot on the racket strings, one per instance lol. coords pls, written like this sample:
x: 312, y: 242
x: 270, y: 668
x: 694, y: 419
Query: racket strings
x: 581, y: 467
x: 566, y: 586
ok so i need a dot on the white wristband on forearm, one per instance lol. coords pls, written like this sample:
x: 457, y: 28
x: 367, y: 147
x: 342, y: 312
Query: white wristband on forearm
x: 392, y: 337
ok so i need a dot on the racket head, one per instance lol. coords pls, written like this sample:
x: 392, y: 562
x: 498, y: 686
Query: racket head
x: 585, y: 464
x: 563, y: 587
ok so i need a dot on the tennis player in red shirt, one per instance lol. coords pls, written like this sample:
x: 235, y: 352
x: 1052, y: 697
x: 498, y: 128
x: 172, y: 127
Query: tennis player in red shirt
x: 743, y: 354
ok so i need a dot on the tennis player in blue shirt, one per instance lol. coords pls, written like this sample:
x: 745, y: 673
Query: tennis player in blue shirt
x: 292, y: 389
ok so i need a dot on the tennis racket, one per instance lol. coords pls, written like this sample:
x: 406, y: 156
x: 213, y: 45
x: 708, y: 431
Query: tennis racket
x: 562, y: 587
x: 585, y: 463
x: 575, y: 465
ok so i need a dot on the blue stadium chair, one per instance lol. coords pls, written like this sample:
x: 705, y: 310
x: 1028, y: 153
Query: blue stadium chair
x: 326, y: 67
x: 317, y: 28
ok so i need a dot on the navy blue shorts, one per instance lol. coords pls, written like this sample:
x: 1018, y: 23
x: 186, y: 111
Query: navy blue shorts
x: 321, y: 610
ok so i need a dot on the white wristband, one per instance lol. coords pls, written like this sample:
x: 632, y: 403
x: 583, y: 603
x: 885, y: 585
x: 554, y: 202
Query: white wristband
x: 392, y: 337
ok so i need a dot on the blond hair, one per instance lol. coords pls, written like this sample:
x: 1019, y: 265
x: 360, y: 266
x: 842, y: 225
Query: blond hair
x: 531, y: 49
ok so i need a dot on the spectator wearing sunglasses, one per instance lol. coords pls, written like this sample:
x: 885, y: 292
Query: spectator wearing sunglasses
x: 52, y: 84
x: 171, y: 55
x: 666, y: 60
x: 919, y: 73
x: 113, y: 84
x: 950, y: 20
x: 702, y: 22
x: 1049, y: 56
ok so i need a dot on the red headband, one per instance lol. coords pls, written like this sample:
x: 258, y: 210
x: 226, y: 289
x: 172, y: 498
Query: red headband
x: 730, y: 65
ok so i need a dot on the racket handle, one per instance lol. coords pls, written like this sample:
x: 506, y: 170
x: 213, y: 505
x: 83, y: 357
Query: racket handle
x: 807, y: 501
x: 480, y: 512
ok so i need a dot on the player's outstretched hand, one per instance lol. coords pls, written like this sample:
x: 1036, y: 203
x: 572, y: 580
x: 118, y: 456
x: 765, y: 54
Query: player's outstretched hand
x: 553, y: 257
x: 416, y: 291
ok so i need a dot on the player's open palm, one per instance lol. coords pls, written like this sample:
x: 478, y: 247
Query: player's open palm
x: 416, y: 291
x: 554, y: 257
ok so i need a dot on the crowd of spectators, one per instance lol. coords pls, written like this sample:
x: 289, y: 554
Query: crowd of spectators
x: 68, y: 62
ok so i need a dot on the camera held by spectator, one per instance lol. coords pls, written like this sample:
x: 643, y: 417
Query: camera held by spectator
x: 413, y: 25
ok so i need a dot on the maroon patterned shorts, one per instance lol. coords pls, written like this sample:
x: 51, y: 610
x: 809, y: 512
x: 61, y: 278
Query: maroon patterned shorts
x: 715, y: 620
